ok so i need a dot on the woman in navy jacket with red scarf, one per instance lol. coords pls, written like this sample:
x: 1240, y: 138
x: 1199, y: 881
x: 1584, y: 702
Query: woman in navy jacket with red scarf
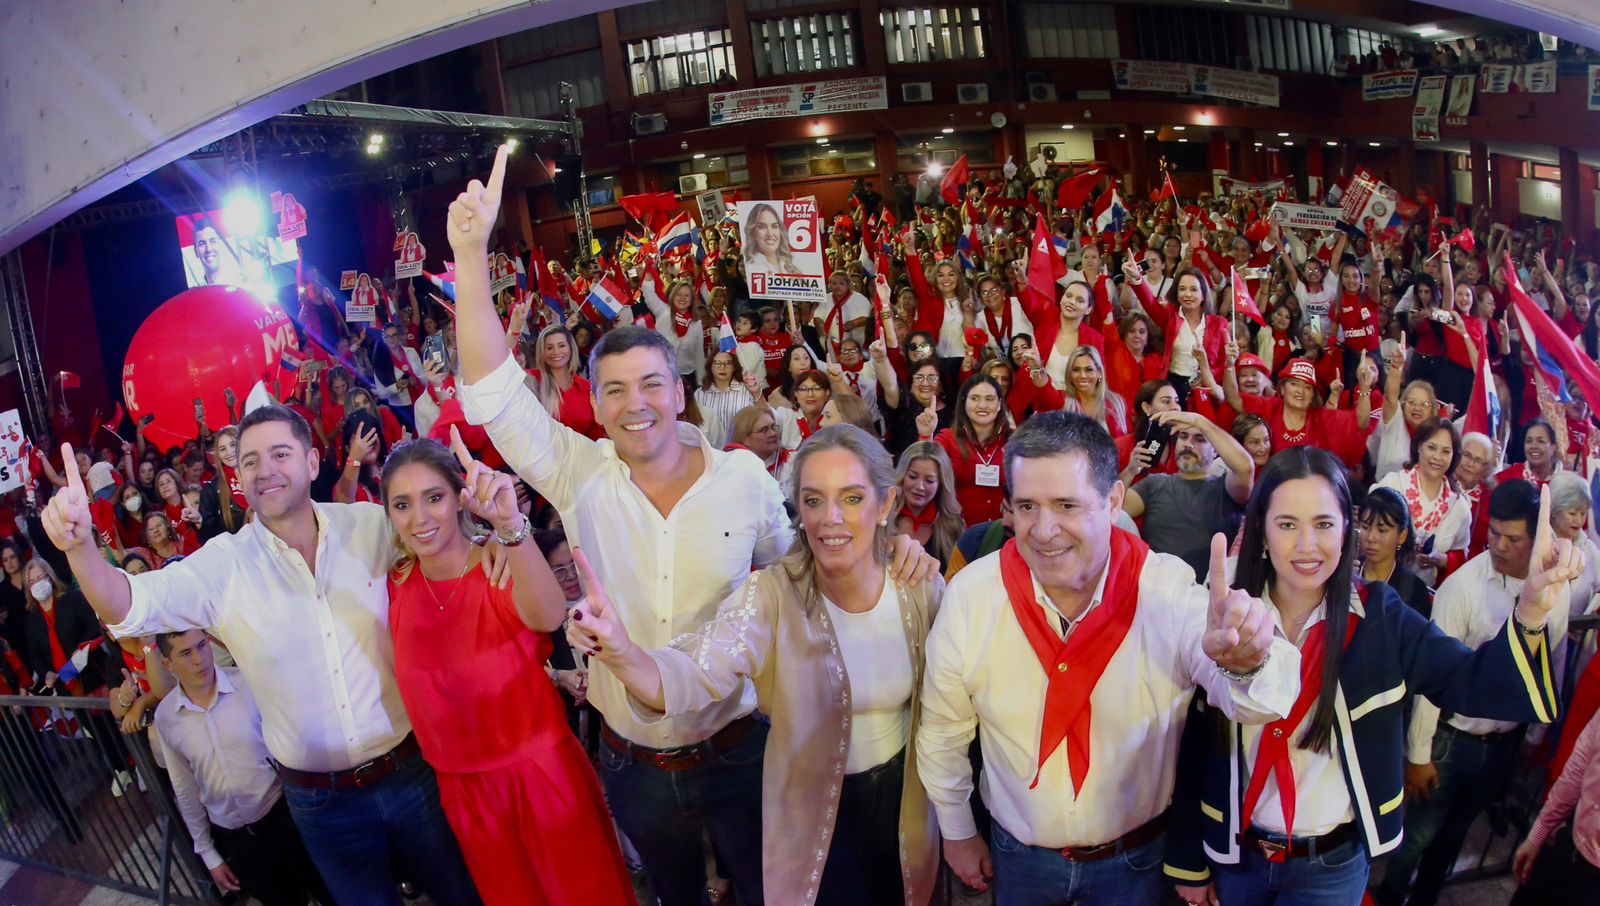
x: 1293, y: 812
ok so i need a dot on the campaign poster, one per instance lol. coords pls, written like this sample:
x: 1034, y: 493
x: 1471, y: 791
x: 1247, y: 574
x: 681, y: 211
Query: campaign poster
x: 1430, y: 96
x: 291, y: 216
x: 347, y: 280
x: 13, y: 471
x: 1495, y: 78
x: 1594, y: 87
x: 1538, y: 78
x: 1461, y: 96
x: 1425, y: 128
x: 410, y: 255
x: 712, y: 208
x: 502, y: 273
x: 782, y: 249
x: 213, y: 256
x: 363, y: 304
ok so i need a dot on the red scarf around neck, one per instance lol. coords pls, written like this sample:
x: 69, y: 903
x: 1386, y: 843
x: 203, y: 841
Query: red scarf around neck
x: 1273, y: 756
x: 1001, y: 331
x: 231, y: 476
x: 681, y: 322
x: 929, y: 514
x: 1073, y: 667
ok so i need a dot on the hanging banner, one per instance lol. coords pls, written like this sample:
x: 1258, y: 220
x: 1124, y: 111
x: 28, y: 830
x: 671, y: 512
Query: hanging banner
x: 1425, y: 128
x: 1430, y: 96
x: 1460, y: 96
x: 1182, y: 78
x: 782, y: 249
x: 804, y: 99
x: 363, y: 304
x: 409, y: 261
x: 1227, y: 185
x: 1304, y: 216
x: 1594, y: 87
x: 1495, y: 78
x: 1150, y: 75
x: 1537, y: 78
x: 1377, y: 86
x: 1234, y: 85
x: 13, y: 469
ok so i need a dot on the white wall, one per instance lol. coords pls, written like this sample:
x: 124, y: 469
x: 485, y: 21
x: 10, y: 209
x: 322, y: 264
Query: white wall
x: 94, y: 94
x: 1539, y: 198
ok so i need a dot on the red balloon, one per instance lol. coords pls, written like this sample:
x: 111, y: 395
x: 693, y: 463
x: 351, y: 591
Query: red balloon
x: 196, y: 345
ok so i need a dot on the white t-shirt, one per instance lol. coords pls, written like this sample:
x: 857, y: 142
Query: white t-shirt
x: 1318, y: 303
x: 855, y: 306
x: 873, y: 645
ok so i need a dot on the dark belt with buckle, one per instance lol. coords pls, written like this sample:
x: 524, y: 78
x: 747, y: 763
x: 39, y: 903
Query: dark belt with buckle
x: 1139, y: 836
x: 1301, y: 847
x: 682, y: 758
x: 361, y: 776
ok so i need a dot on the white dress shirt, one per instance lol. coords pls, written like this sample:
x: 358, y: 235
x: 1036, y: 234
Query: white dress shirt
x: 218, y: 761
x: 983, y: 677
x: 315, y: 648
x: 665, y: 573
x: 952, y: 340
x: 1322, y: 801
x: 1473, y: 604
x: 854, y: 308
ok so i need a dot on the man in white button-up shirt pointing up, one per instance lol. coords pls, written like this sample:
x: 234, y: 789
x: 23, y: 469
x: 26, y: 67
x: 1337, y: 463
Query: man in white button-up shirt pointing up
x: 300, y: 599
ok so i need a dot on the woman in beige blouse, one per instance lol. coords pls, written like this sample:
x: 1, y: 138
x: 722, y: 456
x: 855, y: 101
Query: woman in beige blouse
x: 835, y: 648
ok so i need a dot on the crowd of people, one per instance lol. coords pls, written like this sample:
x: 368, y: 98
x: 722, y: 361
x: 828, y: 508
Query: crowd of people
x: 1462, y: 55
x: 1098, y: 566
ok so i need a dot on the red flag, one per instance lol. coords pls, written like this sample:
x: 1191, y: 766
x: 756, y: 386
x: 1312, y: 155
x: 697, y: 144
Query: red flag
x: 954, y: 178
x: 646, y: 208
x: 1556, y: 358
x: 116, y: 420
x: 1042, y: 270
x: 1467, y: 241
x: 69, y: 380
x: 1076, y: 190
x: 1242, y: 303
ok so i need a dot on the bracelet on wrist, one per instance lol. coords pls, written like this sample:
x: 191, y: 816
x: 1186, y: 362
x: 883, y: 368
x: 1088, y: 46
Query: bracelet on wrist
x: 1524, y: 628
x: 1244, y: 677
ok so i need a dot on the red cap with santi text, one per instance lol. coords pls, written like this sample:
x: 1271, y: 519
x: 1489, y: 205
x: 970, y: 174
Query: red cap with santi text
x: 1300, y: 370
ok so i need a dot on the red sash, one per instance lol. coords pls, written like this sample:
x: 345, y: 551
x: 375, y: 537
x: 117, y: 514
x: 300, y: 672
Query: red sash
x: 681, y: 322
x: 1001, y: 332
x: 234, y: 488
x: 834, y: 318
x: 1273, y: 756
x: 1067, y: 713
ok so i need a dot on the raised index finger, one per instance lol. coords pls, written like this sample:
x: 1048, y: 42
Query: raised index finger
x: 1541, y: 533
x: 591, y: 583
x: 459, y: 448
x: 69, y: 461
x: 1218, y: 576
x: 497, y: 176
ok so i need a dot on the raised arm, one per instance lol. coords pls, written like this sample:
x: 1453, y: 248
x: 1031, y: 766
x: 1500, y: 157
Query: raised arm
x: 1241, y: 468
x: 481, y: 339
x: 67, y: 521
x: 492, y: 497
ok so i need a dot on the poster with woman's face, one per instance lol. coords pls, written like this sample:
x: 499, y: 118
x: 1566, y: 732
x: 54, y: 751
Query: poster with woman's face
x: 782, y: 249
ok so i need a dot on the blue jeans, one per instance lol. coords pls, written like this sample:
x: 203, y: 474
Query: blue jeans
x: 1035, y: 876
x: 1472, y: 772
x: 665, y: 813
x: 1337, y: 877
x: 364, y: 841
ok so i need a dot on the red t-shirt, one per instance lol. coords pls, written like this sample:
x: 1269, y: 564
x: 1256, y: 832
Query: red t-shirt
x: 979, y: 503
x: 1358, y: 315
x: 1455, y: 347
x: 1334, y: 430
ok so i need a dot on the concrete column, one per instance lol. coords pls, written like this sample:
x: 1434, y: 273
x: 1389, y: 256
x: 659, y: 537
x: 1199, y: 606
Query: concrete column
x: 1480, y: 174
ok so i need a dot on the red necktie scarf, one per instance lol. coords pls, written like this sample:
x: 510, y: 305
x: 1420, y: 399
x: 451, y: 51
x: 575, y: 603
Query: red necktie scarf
x: 681, y: 322
x: 1273, y: 756
x: 234, y: 487
x: 924, y: 519
x: 1087, y: 651
x: 1000, y: 331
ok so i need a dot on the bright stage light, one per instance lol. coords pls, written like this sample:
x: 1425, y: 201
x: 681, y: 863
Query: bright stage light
x: 241, y: 214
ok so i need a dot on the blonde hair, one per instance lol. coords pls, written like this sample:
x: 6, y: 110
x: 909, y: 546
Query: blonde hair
x: 57, y: 587
x: 545, y: 385
x: 799, y: 564
x: 949, y: 524
x: 1108, y: 403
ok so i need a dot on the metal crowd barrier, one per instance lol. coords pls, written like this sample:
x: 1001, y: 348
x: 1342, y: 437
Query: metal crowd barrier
x: 57, y: 810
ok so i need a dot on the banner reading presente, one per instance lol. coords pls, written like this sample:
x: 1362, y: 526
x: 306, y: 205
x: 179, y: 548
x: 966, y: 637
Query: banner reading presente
x: 804, y: 99
x: 782, y: 249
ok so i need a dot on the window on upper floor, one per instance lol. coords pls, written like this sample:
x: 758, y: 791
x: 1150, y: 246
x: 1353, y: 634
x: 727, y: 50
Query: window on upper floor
x: 1290, y: 45
x: 1069, y: 30
x: 813, y: 43
x: 930, y: 34
x: 670, y: 62
x: 833, y: 159
x: 534, y: 89
x: 917, y: 150
x: 719, y: 171
x: 1182, y: 34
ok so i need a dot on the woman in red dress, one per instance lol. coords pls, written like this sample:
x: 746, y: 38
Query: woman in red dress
x: 469, y: 658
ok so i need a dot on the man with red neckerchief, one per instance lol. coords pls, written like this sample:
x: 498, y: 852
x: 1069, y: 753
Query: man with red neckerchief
x: 1074, y: 652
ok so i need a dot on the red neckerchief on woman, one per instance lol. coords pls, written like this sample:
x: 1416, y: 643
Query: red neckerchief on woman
x: 852, y: 376
x: 1427, y: 518
x: 833, y: 320
x: 809, y: 426
x: 927, y: 517
x: 681, y: 322
x: 1001, y: 332
x: 1073, y: 667
x: 232, y: 477
x: 136, y: 666
x: 1273, y: 755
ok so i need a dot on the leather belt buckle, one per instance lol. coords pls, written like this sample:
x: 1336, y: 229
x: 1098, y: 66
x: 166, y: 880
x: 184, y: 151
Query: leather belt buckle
x: 1086, y: 853
x: 669, y: 759
x: 370, y: 772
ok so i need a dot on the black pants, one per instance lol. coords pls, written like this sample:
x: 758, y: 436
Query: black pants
x: 863, y: 867
x: 1560, y: 876
x: 270, y: 860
